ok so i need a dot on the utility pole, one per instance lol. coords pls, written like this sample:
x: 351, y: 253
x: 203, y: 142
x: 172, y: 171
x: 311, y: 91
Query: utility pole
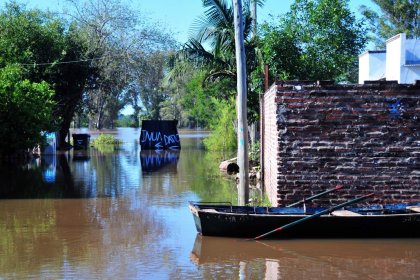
x: 254, y: 18
x: 243, y: 187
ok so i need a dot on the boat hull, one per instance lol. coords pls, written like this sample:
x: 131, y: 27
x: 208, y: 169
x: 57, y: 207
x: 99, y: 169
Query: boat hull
x: 212, y: 222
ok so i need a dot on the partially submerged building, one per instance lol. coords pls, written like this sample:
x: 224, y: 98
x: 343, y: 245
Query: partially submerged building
x: 364, y: 137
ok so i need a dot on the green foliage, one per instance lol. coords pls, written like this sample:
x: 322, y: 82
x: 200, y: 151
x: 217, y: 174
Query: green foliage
x: 40, y: 43
x: 324, y: 41
x: 397, y: 16
x: 30, y: 37
x: 198, y: 100
x: 25, y: 110
x: 223, y: 136
x: 216, y: 29
x: 106, y: 143
x: 106, y: 139
x: 127, y: 121
x: 257, y: 198
x: 281, y: 52
x: 255, y: 152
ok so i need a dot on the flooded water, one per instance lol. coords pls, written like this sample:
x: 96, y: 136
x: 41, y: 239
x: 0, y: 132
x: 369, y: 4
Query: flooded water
x: 123, y: 214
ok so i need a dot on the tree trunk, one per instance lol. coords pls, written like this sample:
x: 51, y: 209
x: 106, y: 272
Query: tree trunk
x: 243, y: 187
x: 67, y: 106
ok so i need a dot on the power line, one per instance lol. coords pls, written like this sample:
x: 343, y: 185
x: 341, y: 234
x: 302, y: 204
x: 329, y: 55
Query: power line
x: 60, y: 62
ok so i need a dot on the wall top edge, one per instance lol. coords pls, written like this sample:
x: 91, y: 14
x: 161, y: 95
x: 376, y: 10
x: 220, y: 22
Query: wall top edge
x: 304, y: 85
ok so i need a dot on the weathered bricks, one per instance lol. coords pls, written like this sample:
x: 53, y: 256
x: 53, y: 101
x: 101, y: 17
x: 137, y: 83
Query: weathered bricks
x: 364, y: 137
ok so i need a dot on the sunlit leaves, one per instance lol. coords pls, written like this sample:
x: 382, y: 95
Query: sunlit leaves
x: 325, y: 36
x: 396, y: 16
x: 25, y: 110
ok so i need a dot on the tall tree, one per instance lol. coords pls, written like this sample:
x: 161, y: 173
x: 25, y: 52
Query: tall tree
x: 121, y: 41
x: 397, y: 16
x: 25, y: 111
x: 328, y: 37
x: 48, y: 50
x: 148, y: 84
x: 281, y: 52
x: 212, y: 45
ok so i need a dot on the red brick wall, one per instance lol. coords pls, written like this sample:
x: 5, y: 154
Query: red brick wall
x: 366, y: 138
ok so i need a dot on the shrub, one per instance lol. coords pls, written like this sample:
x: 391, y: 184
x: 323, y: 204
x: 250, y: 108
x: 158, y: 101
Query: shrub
x: 223, y: 135
x: 106, y: 139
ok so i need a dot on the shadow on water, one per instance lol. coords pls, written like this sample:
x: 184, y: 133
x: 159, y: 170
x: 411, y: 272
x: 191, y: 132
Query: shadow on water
x: 49, y: 177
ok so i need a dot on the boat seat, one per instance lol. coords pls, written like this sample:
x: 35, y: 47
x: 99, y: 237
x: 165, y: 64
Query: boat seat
x: 344, y: 213
x: 414, y: 208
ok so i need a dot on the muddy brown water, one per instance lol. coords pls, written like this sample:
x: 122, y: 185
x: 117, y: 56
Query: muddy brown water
x: 123, y: 214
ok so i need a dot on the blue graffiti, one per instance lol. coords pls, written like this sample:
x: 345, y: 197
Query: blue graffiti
x: 150, y: 136
x: 160, y: 141
x: 396, y: 108
x: 171, y: 139
x: 155, y: 160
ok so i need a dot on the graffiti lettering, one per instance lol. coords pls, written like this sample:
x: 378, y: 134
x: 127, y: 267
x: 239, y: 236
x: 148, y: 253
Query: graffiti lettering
x: 159, y: 135
x: 171, y: 139
x: 150, y: 136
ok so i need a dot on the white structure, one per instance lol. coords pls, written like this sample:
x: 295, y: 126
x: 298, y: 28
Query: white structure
x: 400, y: 62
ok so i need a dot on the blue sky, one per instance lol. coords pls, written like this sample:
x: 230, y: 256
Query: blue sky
x: 178, y: 15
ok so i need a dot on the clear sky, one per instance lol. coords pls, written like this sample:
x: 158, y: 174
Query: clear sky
x: 178, y: 15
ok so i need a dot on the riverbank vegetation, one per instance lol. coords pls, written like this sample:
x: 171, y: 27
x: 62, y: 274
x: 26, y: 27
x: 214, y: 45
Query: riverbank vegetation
x: 84, y: 65
x: 106, y: 143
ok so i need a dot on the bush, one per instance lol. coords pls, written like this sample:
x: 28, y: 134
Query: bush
x: 106, y: 139
x: 106, y: 143
x: 255, y: 152
x: 223, y: 136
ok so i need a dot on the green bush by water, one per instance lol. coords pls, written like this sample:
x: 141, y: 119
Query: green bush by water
x: 223, y: 135
x: 106, y: 143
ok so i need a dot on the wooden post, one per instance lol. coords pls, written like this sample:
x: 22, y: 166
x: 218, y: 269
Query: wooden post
x: 266, y: 77
x: 243, y: 187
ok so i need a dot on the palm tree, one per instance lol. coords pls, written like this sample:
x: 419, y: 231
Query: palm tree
x: 212, y: 46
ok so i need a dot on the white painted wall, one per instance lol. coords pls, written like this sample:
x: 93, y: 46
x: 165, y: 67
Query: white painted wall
x: 401, y: 62
x: 411, y: 69
x: 395, y: 57
x: 372, y: 66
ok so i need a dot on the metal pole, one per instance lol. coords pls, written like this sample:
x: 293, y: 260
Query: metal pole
x: 243, y: 187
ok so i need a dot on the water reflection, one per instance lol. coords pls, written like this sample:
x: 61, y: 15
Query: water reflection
x: 80, y: 238
x: 81, y: 155
x: 50, y: 167
x: 152, y: 160
x: 97, y: 215
x: 308, y: 259
x: 49, y: 177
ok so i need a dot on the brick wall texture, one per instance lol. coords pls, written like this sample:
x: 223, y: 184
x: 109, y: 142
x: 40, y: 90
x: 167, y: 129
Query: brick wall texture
x: 364, y: 137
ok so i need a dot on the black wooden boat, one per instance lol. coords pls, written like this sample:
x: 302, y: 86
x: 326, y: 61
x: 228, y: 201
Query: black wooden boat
x: 384, y: 221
